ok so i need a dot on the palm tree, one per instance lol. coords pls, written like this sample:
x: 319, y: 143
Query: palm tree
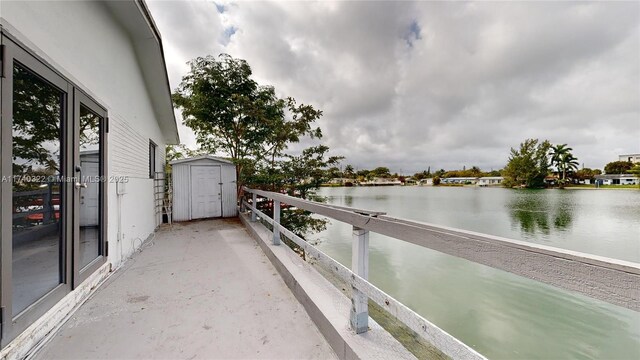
x: 348, y: 171
x: 569, y: 163
x: 563, y: 160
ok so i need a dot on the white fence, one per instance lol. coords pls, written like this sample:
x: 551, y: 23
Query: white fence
x: 610, y: 280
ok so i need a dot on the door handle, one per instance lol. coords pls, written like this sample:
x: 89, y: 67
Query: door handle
x: 79, y: 184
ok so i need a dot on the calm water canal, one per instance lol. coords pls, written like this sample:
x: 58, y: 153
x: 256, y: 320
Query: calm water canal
x: 499, y: 314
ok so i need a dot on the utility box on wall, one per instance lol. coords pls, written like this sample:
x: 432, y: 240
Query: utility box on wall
x: 203, y: 187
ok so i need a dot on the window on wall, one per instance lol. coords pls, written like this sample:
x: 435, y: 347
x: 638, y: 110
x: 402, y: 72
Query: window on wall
x: 152, y: 159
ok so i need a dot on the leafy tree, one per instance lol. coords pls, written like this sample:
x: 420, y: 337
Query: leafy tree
x: 299, y: 176
x: 475, y: 171
x: 380, y: 172
x: 306, y: 172
x: 618, y: 167
x: 334, y: 172
x: 232, y: 114
x: 36, y: 128
x: 528, y: 165
x: 363, y: 173
x: 175, y: 152
x: 587, y: 173
x: 421, y: 175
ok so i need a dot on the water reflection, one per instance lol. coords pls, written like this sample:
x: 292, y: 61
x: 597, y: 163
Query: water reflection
x: 502, y: 315
x: 537, y: 214
x: 348, y: 200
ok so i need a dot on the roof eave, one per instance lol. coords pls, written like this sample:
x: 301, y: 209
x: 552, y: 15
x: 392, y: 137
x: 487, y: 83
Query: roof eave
x: 137, y: 20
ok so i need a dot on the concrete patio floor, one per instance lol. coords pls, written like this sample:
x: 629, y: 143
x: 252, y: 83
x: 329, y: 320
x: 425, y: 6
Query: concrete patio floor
x: 202, y: 289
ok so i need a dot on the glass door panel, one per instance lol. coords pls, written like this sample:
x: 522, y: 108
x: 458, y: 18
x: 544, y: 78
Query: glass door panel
x: 37, y: 191
x: 90, y: 185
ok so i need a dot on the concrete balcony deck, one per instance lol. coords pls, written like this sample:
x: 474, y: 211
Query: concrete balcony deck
x: 203, y: 289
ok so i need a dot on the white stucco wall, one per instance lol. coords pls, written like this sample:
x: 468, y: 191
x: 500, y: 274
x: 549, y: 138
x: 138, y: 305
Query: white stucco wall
x: 84, y: 42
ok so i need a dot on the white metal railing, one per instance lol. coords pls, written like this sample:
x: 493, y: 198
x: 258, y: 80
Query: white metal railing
x: 610, y: 280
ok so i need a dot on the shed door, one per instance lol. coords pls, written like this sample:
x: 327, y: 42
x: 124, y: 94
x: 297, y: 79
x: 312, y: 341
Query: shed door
x: 206, y: 197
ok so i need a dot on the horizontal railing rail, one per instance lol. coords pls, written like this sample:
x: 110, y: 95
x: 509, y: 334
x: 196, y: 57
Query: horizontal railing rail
x: 434, y: 335
x: 609, y: 280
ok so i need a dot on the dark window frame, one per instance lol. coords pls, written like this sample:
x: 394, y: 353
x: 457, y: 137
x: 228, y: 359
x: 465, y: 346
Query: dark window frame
x: 153, y: 153
x: 81, y: 273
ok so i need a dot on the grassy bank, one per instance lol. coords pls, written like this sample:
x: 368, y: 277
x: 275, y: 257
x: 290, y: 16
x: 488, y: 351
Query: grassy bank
x: 606, y: 187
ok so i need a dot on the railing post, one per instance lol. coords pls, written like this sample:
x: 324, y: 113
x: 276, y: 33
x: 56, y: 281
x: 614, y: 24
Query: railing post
x: 254, y: 199
x: 276, y: 222
x: 360, y: 266
x: 47, y: 208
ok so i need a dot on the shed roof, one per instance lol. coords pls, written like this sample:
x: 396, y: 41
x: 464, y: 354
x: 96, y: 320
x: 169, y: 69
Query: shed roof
x: 202, y: 157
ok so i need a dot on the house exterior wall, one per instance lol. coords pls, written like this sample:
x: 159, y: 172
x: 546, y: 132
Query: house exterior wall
x: 617, y: 180
x: 634, y: 158
x: 490, y: 180
x: 427, y: 182
x: 459, y: 180
x: 94, y: 51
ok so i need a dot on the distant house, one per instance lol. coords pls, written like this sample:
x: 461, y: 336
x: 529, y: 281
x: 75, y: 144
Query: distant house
x: 426, y: 182
x: 617, y: 179
x: 382, y: 182
x: 634, y: 158
x: 410, y: 181
x: 551, y: 180
x: 460, y: 180
x: 490, y: 181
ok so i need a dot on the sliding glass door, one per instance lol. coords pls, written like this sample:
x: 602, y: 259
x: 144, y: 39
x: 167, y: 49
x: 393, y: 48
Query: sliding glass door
x: 52, y: 191
x: 38, y: 204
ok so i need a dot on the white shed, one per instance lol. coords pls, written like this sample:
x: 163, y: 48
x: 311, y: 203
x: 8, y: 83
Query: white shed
x: 203, y: 187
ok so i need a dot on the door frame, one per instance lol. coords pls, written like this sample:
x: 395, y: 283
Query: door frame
x: 13, y: 325
x: 80, y: 273
x: 14, y: 49
x: 191, y: 188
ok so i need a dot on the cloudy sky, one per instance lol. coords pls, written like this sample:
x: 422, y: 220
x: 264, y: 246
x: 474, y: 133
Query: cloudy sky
x: 415, y: 84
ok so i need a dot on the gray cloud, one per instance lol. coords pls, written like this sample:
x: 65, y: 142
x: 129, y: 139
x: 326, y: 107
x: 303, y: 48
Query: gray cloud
x: 410, y: 85
x: 189, y: 29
